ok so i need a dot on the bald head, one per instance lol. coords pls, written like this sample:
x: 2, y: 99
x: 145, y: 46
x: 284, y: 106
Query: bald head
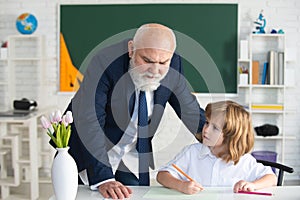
x: 151, y: 52
x: 154, y: 36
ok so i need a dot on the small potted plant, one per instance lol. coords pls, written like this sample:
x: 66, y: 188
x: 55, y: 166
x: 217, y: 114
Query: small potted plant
x: 64, y: 173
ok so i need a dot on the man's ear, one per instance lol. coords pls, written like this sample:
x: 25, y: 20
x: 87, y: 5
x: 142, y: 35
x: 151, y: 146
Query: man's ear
x: 130, y: 48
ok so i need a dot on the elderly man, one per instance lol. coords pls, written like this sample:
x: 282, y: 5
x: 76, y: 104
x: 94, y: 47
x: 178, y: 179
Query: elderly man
x: 119, y: 106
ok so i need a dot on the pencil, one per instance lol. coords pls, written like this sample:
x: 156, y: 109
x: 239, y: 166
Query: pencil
x: 182, y: 172
x: 259, y: 193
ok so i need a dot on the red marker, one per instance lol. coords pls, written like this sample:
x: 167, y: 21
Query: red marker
x: 259, y: 193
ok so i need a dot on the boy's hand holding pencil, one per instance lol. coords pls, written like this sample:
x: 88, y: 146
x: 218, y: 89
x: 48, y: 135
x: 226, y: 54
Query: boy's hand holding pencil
x: 191, y: 187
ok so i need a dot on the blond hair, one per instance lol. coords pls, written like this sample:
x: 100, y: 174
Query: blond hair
x: 238, y: 132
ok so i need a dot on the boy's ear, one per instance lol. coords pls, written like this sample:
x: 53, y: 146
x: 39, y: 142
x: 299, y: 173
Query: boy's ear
x: 130, y: 48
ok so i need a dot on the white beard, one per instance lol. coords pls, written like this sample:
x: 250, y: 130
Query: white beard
x: 141, y: 80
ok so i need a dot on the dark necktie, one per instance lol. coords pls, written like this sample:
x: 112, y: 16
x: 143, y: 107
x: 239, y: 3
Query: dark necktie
x: 143, y: 142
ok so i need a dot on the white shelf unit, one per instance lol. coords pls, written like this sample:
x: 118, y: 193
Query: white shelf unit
x: 265, y: 95
x: 22, y: 155
x: 4, y: 96
x: 24, y: 159
x: 26, y: 63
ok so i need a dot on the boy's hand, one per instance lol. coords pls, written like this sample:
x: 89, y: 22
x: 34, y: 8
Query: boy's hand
x: 190, y: 187
x: 244, y: 186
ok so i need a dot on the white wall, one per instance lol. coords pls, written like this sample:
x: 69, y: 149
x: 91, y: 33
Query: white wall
x: 284, y: 14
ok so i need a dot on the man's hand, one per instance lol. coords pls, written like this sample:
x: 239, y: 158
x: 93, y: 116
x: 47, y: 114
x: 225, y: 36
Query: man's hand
x: 114, y: 190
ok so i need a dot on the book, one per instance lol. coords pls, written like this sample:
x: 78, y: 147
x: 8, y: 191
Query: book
x: 271, y: 67
x: 276, y: 68
x: 267, y: 107
x: 255, y: 72
x: 264, y: 74
x: 280, y: 68
x: 244, y: 49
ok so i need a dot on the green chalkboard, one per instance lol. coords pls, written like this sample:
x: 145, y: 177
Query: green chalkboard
x: 207, y: 36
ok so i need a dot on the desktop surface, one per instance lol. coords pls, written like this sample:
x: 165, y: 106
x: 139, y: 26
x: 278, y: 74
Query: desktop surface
x: 161, y: 193
x: 16, y: 113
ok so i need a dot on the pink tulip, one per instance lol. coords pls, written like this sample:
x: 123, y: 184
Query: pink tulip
x: 51, y: 117
x: 45, y: 122
x: 69, y: 117
x: 57, y: 116
x: 64, y: 121
x: 47, y: 125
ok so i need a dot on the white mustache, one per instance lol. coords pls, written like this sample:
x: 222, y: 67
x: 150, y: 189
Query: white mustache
x: 151, y: 75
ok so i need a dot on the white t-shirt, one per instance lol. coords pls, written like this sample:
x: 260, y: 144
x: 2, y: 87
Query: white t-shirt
x: 198, y: 162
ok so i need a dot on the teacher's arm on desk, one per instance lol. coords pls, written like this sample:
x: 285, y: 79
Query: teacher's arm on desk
x: 159, y: 193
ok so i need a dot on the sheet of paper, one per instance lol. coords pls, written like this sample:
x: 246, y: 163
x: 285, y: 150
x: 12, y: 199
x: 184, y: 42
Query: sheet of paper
x: 164, y: 193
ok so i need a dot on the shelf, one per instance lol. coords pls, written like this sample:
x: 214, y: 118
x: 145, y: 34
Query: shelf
x: 267, y: 86
x: 244, y: 86
x: 9, y: 181
x: 27, y: 59
x: 267, y: 107
x: 275, y: 137
x: 267, y: 111
x: 262, y: 86
x: 266, y: 103
x: 243, y: 60
x: 267, y: 35
x: 5, y: 145
x: 23, y: 74
x: 25, y: 139
x: 4, y: 151
x: 45, y: 153
x: 3, y: 83
x: 24, y: 36
x: 45, y: 180
x: 24, y: 160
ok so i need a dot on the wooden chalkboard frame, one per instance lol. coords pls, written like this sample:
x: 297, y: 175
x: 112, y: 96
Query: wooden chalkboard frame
x: 207, y: 36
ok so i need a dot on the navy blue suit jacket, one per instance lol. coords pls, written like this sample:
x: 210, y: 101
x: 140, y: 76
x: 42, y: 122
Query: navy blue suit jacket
x: 103, y: 105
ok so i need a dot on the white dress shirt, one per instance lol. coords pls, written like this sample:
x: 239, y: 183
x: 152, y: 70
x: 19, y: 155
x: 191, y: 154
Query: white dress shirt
x: 205, y: 168
x: 126, y: 148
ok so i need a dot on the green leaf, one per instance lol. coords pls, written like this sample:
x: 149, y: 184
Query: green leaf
x: 68, y: 135
x: 58, y: 137
x: 63, y: 134
x: 53, y: 138
x: 55, y: 127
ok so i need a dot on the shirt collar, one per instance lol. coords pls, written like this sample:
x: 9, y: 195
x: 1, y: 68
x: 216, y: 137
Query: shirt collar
x: 205, y: 151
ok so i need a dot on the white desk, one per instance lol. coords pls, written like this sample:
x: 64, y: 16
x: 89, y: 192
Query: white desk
x: 215, y: 193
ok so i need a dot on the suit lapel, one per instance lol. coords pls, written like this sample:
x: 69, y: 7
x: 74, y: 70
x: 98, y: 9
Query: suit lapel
x: 131, y: 99
x: 123, y: 99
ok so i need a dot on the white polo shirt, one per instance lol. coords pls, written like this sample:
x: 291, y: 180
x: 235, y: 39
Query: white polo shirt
x: 208, y: 170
